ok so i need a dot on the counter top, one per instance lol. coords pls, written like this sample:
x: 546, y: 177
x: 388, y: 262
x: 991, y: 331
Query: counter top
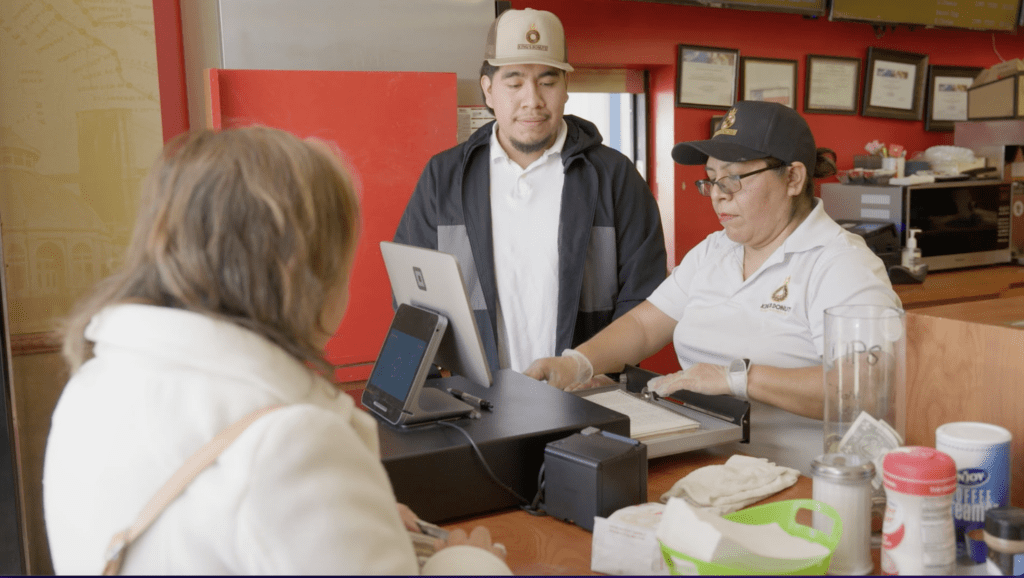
x: 1005, y: 312
x: 960, y: 285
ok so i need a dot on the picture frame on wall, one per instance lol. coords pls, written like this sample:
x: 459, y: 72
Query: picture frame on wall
x: 831, y: 84
x: 706, y: 77
x: 768, y: 79
x: 894, y: 84
x: 947, y: 95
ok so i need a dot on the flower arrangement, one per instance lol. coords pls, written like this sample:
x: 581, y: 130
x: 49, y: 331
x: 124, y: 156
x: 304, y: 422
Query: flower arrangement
x: 878, y: 148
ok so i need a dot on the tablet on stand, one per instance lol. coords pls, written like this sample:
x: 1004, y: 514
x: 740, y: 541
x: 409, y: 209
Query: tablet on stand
x: 395, y: 390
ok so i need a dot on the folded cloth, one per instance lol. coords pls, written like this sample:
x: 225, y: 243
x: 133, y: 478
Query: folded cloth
x: 732, y: 486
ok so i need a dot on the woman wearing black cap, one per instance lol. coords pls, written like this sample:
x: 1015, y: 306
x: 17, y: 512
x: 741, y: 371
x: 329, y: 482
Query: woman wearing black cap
x: 745, y: 307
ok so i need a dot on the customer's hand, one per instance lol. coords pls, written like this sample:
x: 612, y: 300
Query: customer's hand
x: 409, y: 518
x: 479, y: 537
x: 571, y: 371
x: 703, y: 378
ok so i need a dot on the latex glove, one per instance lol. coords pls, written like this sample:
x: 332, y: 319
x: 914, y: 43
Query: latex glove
x: 571, y: 371
x: 703, y: 378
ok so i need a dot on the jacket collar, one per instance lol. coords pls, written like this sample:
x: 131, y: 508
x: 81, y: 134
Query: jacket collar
x: 580, y: 135
x: 219, y: 347
x: 497, y: 152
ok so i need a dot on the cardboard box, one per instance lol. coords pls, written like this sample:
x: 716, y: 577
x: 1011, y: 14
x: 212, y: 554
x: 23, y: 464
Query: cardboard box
x: 867, y: 162
x: 1001, y: 70
x: 1013, y: 169
x: 998, y: 92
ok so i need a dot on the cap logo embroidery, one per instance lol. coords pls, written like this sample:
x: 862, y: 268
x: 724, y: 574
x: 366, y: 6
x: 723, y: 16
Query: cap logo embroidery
x: 725, y: 127
x: 532, y: 36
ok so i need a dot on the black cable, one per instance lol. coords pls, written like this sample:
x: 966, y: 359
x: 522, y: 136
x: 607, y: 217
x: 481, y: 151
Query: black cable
x: 534, y: 508
x: 522, y: 501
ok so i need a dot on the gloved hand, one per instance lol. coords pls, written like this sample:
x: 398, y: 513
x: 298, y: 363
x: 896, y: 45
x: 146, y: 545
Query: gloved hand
x: 703, y: 378
x: 571, y: 371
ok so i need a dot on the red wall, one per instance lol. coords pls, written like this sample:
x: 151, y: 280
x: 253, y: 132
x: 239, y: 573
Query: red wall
x: 645, y: 35
x: 373, y: 118
x: 638, y: 34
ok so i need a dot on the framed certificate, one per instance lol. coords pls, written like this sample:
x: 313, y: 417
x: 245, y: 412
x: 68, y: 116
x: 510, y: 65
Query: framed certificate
x: 706, y: 77
x: 769, y: 79
x: 832, y: 85
x: 947, y: 95
x: 894, y: 84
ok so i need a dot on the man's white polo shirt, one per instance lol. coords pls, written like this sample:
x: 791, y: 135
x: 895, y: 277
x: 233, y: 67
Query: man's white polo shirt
x: 526, y: 206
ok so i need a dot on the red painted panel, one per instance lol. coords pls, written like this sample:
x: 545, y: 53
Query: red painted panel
x: 170, y: 66
x: 387, y: 125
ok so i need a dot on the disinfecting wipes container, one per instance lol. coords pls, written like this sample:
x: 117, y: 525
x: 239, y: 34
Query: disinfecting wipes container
x: 982, y: 455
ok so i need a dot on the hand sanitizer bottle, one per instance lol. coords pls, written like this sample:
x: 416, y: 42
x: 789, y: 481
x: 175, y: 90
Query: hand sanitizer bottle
x: 911, y: 254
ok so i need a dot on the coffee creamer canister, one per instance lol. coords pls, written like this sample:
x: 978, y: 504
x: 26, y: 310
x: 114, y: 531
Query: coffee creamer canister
x: 917, y: 534
x: 982, y: 455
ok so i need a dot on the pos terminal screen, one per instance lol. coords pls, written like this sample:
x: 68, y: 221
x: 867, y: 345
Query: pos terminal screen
x: 399, y: 360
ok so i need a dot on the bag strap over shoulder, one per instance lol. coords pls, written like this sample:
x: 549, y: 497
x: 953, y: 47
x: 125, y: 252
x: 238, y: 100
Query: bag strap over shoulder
x: 174, y: 487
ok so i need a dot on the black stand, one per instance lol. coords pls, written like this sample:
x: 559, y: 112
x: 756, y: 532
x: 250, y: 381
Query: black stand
x: 432, y: 404
x: 900, y: 275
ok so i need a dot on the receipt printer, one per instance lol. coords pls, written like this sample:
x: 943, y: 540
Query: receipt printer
x: 593, y: 473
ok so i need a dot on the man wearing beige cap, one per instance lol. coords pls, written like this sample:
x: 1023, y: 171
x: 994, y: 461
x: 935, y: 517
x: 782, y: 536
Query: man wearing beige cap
x: 556, y: 234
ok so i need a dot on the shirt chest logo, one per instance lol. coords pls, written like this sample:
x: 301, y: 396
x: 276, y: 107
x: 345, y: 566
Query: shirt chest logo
x: 777, y: 298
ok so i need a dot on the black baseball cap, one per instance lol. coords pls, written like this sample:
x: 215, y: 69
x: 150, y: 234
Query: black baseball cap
x: 754, y: 130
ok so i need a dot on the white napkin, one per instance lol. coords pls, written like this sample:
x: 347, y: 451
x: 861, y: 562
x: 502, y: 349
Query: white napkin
x: 732, y: 486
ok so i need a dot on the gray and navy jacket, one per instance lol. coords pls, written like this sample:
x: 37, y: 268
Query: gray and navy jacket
x: 610, y: 242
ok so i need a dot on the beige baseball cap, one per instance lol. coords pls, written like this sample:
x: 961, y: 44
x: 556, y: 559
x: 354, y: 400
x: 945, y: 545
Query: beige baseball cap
x: 527, y: 36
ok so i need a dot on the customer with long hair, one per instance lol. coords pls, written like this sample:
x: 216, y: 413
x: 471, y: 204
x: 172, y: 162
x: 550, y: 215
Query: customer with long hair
x: 236, y: 277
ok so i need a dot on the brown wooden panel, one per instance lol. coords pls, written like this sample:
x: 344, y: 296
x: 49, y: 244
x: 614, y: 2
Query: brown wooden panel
x: 965, y: 363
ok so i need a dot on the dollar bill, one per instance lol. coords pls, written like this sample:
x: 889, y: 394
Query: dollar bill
x: 870, y: 439
x: 895, y: 434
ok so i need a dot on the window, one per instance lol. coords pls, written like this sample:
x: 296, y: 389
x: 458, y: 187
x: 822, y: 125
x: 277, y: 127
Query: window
x: 616, y: 101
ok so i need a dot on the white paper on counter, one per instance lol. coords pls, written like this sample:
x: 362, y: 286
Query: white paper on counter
x: 626, y: 542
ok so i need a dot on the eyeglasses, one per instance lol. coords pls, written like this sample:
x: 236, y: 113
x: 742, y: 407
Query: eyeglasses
x: 730, y: 184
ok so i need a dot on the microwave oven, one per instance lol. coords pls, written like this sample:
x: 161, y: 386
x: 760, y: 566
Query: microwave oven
x: 962, y: 223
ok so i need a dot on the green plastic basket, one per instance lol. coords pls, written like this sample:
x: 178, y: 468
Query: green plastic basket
x: 782, y: 513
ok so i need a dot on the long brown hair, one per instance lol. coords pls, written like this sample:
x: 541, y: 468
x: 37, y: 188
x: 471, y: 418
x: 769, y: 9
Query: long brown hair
x: 250, y: 225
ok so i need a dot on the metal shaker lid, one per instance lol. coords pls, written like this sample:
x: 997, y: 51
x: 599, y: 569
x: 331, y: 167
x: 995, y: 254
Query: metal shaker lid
x: 842, y: 467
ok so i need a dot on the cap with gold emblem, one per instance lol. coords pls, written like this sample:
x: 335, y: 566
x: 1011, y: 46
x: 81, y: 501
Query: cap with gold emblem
x: 527, y: 36
x: 754, y: 130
